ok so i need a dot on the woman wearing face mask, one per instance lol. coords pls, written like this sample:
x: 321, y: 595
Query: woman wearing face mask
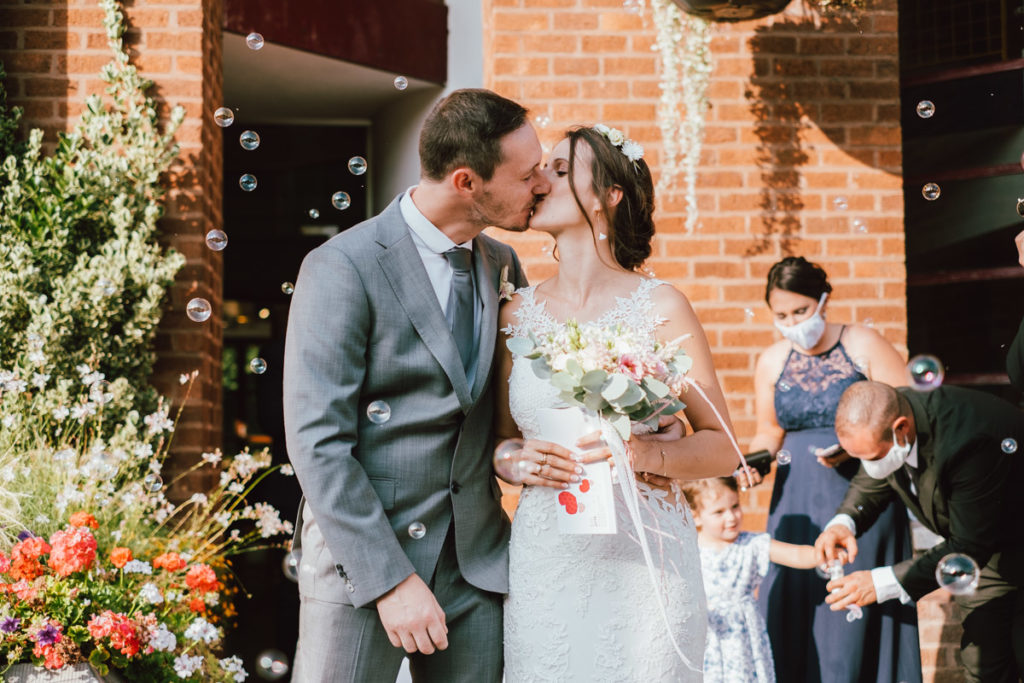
x: 798, y: 382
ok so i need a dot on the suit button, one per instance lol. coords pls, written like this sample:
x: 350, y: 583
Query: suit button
x: 456, y: 487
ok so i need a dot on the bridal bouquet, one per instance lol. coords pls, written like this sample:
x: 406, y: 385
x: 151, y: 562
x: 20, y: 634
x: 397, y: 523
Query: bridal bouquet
x: 97, y: 565
x: 611, y: 371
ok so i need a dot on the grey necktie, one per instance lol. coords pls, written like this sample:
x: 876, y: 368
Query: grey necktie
x: 460, y: 303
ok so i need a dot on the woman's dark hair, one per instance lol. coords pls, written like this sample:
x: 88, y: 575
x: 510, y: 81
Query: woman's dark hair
x: 797, y: 274
x: 466, y: 129
x: 631, y: 225
x: 697, y: 490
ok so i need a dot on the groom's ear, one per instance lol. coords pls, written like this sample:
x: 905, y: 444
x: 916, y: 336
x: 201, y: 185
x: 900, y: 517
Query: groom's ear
x: 464, y: 180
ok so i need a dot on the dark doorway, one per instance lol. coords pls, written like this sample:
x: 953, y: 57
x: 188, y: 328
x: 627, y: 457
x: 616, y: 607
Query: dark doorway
x: 270, y: 229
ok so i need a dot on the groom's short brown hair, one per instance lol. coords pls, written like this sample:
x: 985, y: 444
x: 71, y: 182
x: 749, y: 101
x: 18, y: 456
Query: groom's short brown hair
x: 465, y: 129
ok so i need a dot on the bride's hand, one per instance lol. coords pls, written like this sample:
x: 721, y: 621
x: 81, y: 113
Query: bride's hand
x: 547, y: 464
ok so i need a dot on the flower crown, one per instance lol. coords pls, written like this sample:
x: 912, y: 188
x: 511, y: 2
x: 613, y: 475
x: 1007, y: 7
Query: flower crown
x: 630, y: 149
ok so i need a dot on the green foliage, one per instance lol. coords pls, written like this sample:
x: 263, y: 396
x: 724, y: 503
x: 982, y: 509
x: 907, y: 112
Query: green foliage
x: 8, y: 122
x: 84, y: 276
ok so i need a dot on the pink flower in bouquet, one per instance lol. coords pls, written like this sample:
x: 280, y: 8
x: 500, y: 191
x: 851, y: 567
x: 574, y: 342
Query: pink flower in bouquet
x: 172, y: 562
x: 631, y: 366
x: 25, y: 558
x: 119, y: 557
x: 202, y: 579
x: 72, y: 550
x: 83, y: 518
x: 119, y: 630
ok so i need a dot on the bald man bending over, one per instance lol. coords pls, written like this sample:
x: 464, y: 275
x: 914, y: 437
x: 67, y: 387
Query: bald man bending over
x: 941, y: 453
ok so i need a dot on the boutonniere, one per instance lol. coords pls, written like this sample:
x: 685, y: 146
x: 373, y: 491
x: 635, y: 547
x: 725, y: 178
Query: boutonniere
x: 505, y: 288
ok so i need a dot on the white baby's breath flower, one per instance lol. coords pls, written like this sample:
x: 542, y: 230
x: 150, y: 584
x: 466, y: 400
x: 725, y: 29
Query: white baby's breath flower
x: 83, y: 369
x: 633, y: 151
x: 158, y: 422
x: 37, y: 357
x: 223, y: 518
x: 60, y: 413
x: 236, y: 487
x: 183, y: 379
x: 287, y: 470
x: 198, y: 499
x: 212, y: 458
x: 143, y: 450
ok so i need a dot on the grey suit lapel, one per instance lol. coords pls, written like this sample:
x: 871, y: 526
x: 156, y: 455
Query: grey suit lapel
x: 404, y: 271
x: 486, y: 271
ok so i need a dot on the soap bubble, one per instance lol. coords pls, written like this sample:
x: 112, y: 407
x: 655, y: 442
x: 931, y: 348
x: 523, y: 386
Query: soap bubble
x: 401, y: 82
x: 102, y: 466
x: 504, y: 465
x: 258, y: 366
x: 249, y: 140
x: 1020, y: 207
x: 784, y: 386
x: 417, y: 530
x: 340, y: 200
x: 840, y: 204
x: 223, y: 117
x: 633, y: 6
x: 290, y: 565
x: 926, y: 372
x: 931, y: 191
x: 379, y: 412
x: 748, y: 313
x: 1009, y: 446
x: 926, y: 109
x: 357, y: 166
x: 271, y: 665
x: 153, y: 482
x: 543, y: 121
x: 288, y: 288
x: 859, y: 226
x: 314, y: 213
x: 822, y: 571
x: 869, y: 322
x: 254, y: 41
x: 783, y: 457
x: 216, y: 239
x: 198, y: 310
x: 247, y: 182
x: 957, y: 573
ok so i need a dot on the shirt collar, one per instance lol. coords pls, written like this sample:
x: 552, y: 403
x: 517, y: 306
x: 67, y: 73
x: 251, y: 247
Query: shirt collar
x: 912, y: 456
x: 435, y: 240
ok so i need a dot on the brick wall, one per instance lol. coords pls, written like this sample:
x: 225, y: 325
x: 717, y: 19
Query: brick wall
x: 804, y: 111
x: 53, y: 52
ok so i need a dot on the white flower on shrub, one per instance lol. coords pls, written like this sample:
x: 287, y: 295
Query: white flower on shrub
x: 162, y: 640
x: 201, y: 629
x: 186, y: 665
x: 151, y: 593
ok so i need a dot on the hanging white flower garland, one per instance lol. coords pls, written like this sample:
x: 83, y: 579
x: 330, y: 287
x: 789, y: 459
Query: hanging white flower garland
x: 684, y: 44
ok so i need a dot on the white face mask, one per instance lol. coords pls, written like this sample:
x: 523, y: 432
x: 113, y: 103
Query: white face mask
x: 806, y: 333
x: 893, y: 460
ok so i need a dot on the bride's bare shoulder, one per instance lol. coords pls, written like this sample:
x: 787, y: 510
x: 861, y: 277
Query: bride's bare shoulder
x: 670, y: 301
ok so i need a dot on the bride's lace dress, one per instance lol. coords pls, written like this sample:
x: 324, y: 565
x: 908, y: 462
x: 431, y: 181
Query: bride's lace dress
x: 583, y: 607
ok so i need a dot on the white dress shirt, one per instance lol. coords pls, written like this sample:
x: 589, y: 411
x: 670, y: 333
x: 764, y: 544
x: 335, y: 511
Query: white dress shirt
x: 883, y: 578
x: 431, y: 244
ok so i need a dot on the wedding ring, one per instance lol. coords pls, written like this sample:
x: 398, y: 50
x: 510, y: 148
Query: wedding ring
x: 543, y: 460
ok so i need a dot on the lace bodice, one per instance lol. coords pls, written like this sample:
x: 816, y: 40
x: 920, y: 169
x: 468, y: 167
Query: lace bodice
x: 808, y: 390
x: 582, y: 607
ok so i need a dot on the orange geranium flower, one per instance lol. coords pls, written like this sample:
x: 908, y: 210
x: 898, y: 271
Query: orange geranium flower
x: 73, y: 550
x: 120, y: 556
x: 172, y: 562
x: 83, y: 518
x: 25, y: 558
x: 197, y: 605
x: 202, y: 579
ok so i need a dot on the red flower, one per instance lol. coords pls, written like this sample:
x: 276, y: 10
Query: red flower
x: 50, y: 656
x: 197, y: 605
x: 202, y: 579
x: 172, y: 562
x: 5, y: 564
x: 73, y: 550
x: 119, y: 630
x: 119, y: 556
x: 25, y: 558
x: 83, y: 518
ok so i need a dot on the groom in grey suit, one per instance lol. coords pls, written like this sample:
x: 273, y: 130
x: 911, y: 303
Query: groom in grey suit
x: 388, y: 416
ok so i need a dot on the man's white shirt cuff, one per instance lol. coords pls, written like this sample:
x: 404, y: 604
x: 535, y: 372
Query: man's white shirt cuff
x: 843, y: 520
x: 886, y: 585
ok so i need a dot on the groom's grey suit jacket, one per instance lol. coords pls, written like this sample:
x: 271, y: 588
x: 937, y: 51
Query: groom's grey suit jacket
x: 364, y: 326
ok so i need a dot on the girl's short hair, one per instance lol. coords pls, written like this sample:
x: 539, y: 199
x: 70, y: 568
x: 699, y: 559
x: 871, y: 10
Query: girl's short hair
x: 696, y: 491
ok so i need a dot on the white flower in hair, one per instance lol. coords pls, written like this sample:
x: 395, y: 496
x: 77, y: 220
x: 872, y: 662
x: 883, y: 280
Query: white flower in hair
x: 602, y: 129
x: 633, y: 151
x: 616, y: 137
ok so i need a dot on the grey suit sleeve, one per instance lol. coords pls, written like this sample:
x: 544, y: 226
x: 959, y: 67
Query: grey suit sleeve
x: 328, y: 333
x: 518, y: 276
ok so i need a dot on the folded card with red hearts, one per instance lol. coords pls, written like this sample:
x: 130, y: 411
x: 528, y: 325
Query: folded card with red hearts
x: 587, y: 506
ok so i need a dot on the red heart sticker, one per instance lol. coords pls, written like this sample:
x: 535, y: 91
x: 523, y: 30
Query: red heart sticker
x: 569, y: 501
x: 584, y: 486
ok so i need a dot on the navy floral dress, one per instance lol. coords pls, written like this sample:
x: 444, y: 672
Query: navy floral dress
x: 811, y: 643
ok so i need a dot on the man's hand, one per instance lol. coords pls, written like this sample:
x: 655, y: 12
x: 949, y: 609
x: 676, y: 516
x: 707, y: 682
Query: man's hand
x: 412, y: 617
x: 853, y: 589
x: 832, y: 542
x: 747, y: 477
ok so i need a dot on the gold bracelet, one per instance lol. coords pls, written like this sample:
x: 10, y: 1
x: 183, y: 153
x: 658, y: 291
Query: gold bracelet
x: 664, y: 472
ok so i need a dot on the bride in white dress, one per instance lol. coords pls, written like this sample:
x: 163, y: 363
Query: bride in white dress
x: 586, y: 607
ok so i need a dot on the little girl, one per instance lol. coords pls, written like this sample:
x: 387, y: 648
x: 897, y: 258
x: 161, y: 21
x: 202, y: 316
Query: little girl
x: 733, y: 564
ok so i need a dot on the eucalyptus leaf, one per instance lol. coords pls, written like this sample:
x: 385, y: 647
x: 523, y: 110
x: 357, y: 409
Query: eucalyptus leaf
x: 659, y: 388
x: 541, y: 368
x: 563, y: 381
x: 616, y: 386
x: 622, y: 425
x: 573, y: 368
x: 594, y: 380
x: 521, y: 346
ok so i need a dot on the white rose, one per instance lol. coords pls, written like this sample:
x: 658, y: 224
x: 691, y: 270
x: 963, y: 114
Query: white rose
x: 616, y: 137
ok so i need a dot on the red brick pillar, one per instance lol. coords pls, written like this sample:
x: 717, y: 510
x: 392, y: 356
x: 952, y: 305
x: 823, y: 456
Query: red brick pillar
x: 53, y: 52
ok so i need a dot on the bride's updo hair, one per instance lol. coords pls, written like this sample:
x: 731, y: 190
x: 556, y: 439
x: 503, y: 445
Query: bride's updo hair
x: 797, y: 274
x: 631, y: 226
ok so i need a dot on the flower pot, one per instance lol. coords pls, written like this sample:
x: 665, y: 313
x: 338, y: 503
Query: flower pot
x: 76, y: 673
x: 731, y: 10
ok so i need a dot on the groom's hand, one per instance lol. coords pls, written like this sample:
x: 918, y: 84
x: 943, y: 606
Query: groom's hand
x: 412, y: 617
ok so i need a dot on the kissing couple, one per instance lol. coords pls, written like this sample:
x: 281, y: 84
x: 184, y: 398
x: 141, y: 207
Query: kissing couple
x: 398, y: 384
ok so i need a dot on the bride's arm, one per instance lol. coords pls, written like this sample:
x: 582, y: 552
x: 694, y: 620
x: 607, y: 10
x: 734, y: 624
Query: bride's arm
x: 504, y: 426
x: 708, y: 452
